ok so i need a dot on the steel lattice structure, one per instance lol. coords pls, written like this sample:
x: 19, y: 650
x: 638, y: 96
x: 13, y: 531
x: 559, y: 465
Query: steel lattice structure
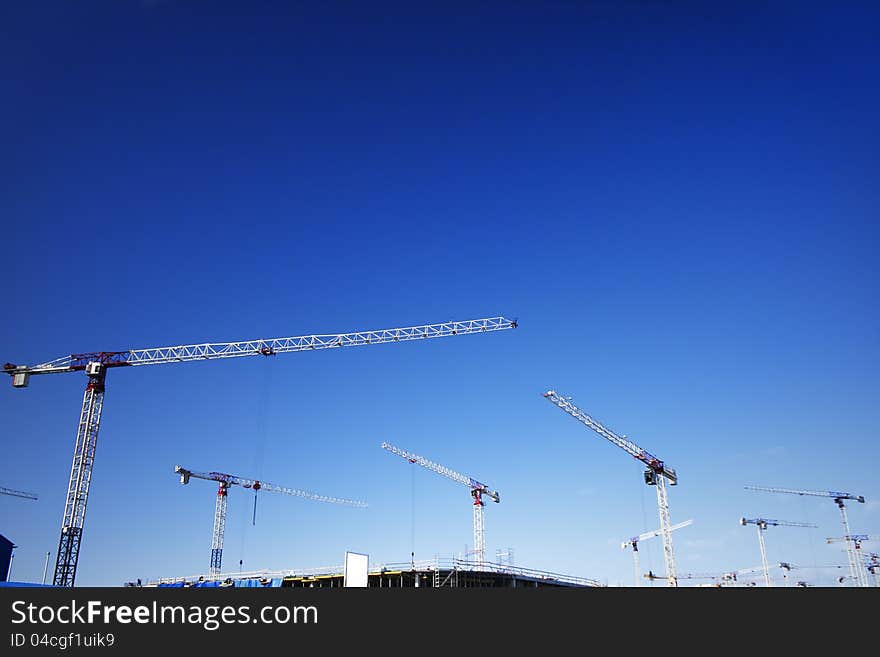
x: 477, y: 491
x: 96, y: 364
x: 762, y: 524
x: 224, y: 482
x: 656, y: 474
x: 838, y: 497
x: 633, y: 542
x: 17, y: 493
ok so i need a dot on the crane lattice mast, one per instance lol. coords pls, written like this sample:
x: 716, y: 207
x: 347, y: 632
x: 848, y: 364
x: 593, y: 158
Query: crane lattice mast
x: 477, y: 491
x: 634, y: 544
x: 96, y: 364
x: 17, y: 493
x: 224, y: 482
x: 838, y: 497
x: 856, y: 540
x: 762, y: 524
x: 656, y: 474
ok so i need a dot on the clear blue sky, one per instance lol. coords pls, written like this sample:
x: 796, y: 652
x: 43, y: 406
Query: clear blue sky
x: 677, y: 200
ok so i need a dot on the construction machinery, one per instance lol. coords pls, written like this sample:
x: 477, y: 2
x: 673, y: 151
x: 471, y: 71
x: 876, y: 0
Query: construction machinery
x: 651, y: 576
x: 17, y: 493
x: 96, y: 364
x: 657, y: 472
x: 224, y: 482
x: 478, y: 490
x: 634, y: 544
x: 838, y: 497
x: 788, y: 567
x: 855, y: 541
x: 762, y: 524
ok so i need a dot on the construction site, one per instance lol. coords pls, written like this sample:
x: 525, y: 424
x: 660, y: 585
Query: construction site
x: 474, y: 570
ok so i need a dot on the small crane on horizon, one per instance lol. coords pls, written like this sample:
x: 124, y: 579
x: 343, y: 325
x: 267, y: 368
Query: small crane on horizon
x: 477, y: 491
x: 227, y: 480
x: 762, y: 524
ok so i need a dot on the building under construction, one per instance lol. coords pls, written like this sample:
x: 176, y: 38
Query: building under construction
x: 454, y: 573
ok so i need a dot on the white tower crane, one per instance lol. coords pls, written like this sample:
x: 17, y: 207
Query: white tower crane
x: 656, y: 474
x: 96, y: 364
x: 856, y: 540
x: 787, y: 567
x: 17, y: 493
x: 838, y: 498
x: 634, y: 544
x: 477, y: 491
x: 762, y: 524
x: 227, y: 480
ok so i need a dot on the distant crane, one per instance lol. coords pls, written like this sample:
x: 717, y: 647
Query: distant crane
x: 762, y: 524
x: 838, y: 498
x: 788, y: 567
x: 634, y: 544
x: 856, y: 540
x: 225, y: 481
x: 872, y: 563
x: 651, y: 576
x: 96, y: 364
x: 17, y: 493
x: 733, y: 576
x: 656, y: 474
x: 477, y: 491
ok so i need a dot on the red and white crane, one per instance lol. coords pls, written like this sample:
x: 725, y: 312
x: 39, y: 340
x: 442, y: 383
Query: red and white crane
x: 762, y: 524
x: 477, y: 491
x: 227, y: 480
x: 838, y: 497
x: 634, y: 544
x: 17, y: 493
x: 96, y: 364
x: 656, y: 474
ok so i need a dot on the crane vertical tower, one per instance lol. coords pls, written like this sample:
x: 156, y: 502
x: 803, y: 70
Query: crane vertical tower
x: 224, y: 481
x: 856, y: 540
x: 477, y: 491
x: 762, y: 524
x: 656, y: 473
x: 96, y: 364
x: 838, y: 497
x: 634, y: 544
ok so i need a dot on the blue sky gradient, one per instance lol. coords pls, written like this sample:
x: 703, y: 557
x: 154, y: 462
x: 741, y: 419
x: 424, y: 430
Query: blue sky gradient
x: 678, y: 201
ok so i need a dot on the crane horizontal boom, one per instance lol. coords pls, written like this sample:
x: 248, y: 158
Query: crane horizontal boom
x: 652, y: 534
x: 852, y: 537
x: 259, y: 347
x: 837, y: 495
x: 470, y: 482
x: 628, y: 446
x: 17, y: 493
x: 232, y: 480
x: 767, y: 522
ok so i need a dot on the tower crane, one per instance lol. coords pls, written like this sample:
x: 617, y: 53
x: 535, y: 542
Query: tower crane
x: 477, y: 491
x: 96, y: 364
x: 856, y: 540
x: 651, y: 576
x: 227, y: 480
x: 788, y: 567
x: 656, y: 474
x: 762, y: 524
x: 838, y: 497
x: 17, y: 493
x: 872, y: 563
x: 634, y: 544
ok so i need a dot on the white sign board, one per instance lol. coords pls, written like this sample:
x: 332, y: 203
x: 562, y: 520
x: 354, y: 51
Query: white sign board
x: 357, y: 567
